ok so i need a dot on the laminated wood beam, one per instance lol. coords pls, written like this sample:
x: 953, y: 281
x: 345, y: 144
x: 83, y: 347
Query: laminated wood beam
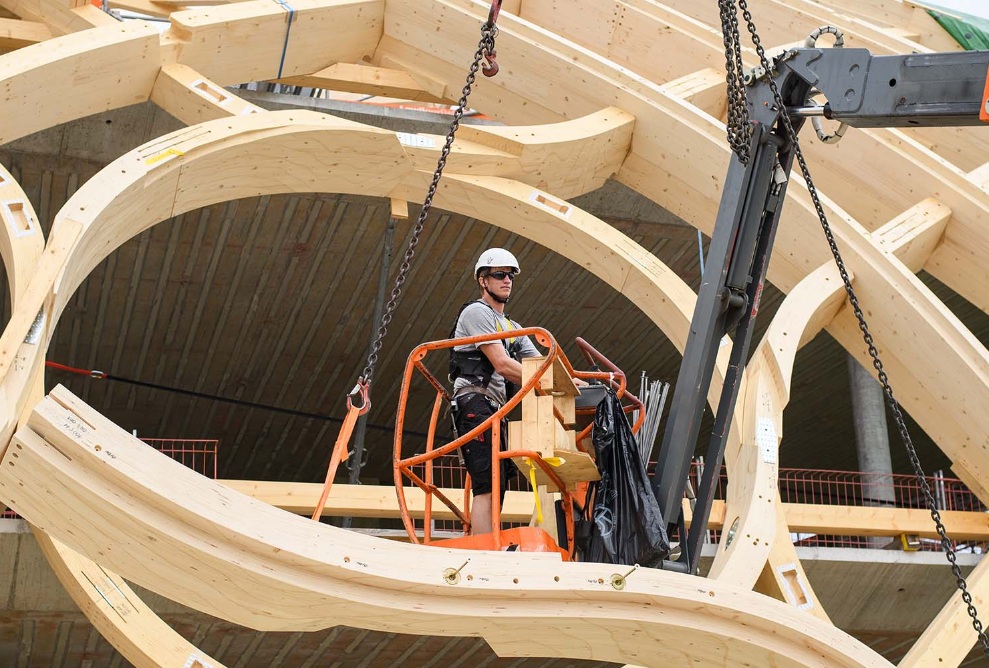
x: 60, y: 15
x: 123, y: 60
x: 146, y: 7
x: 192, y: 98
x: 567, y: 159
x: 949, y: 638
x: 117, y: 612
x: 21, y: 239
x: 376, y: 501
x: 897, y: 14
x: 705, y: 89
x: 18, y: 34
x: 185, y: 170
x: 168, y: 524
x: 253, y: 41
x: 754, y: 463
x: 379, y: 501
x: 366, y: 79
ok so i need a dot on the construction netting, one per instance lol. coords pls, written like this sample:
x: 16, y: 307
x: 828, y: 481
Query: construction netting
x: 970, y: 31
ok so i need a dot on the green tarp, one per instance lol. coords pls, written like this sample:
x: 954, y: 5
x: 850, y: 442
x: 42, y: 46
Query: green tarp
x: 970, y: 31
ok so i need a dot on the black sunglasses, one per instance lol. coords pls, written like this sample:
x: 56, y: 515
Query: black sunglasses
x: 500, y: 275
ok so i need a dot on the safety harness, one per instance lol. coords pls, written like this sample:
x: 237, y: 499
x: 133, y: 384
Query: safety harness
x: 474, y: 365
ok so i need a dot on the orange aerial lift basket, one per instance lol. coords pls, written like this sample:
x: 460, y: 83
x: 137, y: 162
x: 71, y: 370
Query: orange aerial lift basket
x: 549, y: 376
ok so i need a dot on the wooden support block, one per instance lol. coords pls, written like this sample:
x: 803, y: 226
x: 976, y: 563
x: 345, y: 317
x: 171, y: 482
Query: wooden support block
x: 399, y: 209
x: 573, y: 467
x: 566, y: 439
x: 547, y: 508
x: 704, y: 89
x: 191, y: 98
x: 515, y: 435
x: 538, y: 431
x: 566, y: 405
x: 555, y: 381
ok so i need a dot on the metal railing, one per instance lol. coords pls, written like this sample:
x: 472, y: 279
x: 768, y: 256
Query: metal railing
x: 820, y: 487
x: 200, y: 455
x: 860, y: 489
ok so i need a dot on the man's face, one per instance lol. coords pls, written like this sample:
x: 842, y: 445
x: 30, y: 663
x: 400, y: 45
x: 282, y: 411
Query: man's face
x: 501, y: 287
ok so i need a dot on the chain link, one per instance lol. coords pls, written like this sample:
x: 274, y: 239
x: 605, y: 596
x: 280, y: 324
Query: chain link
x: 485, y: 49
x: 738, y: 129
x: 894, y: 406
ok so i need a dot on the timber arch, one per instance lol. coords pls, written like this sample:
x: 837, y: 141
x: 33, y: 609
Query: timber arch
x: 655, y: 127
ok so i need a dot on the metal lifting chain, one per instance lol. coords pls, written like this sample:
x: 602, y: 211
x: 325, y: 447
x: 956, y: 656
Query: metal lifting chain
x: 739, y: 130
x: 859, y: 315
x: 483, y: 60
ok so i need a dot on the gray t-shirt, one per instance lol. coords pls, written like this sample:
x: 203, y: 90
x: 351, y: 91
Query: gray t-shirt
x: 479, y: 318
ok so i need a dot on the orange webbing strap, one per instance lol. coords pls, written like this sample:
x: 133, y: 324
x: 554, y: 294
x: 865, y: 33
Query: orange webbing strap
x: 984, y: 111
x: 340, y: 450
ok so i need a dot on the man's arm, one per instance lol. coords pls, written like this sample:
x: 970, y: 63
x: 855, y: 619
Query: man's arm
x: 509, y: 369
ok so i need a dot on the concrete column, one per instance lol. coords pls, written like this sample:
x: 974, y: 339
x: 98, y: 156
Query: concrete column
x: 871, y: 440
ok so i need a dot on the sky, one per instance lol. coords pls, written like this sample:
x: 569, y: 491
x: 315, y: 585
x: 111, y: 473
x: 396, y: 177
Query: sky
x: 973, y: 7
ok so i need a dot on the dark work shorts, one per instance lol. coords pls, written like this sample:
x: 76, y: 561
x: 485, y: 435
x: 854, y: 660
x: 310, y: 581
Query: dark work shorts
x: 472, y: 410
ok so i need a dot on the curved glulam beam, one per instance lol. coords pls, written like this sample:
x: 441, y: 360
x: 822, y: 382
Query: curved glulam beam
x: 678, y: 155
x: 752, y: 498
x: 590, y: 150
x: 306, y: 152
x: 167, y: 528
x: 299, y: 151
x: 86, y: 72
x: 21, y: 239
x: 950, y: 637
x: 117, y: 612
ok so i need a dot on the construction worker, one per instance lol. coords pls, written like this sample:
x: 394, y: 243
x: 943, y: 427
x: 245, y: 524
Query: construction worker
x: 485, y: 375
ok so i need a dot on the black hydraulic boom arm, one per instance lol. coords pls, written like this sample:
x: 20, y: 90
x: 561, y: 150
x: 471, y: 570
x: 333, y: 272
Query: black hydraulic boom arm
x: 862, y: 90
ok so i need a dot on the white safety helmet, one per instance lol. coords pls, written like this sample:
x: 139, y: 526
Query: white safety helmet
x: 496, y: 257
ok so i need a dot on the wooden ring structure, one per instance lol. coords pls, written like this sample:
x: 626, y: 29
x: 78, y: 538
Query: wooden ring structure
x: 920, y: 211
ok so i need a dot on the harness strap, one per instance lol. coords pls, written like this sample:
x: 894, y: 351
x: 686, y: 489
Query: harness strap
x: 340, y: 450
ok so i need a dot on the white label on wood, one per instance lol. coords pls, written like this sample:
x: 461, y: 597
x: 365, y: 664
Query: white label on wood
x: 409, y: 139
x: 550, y: 203
x: 766, y: 438
x: 19, y: 218
x: 196, y: 662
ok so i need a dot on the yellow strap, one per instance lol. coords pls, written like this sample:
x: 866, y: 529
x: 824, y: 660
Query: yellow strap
x: 552, y: 461
x: 535, y: 491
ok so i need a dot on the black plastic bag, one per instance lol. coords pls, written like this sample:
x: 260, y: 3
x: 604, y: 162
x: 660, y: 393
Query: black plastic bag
x: 622, y: 523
